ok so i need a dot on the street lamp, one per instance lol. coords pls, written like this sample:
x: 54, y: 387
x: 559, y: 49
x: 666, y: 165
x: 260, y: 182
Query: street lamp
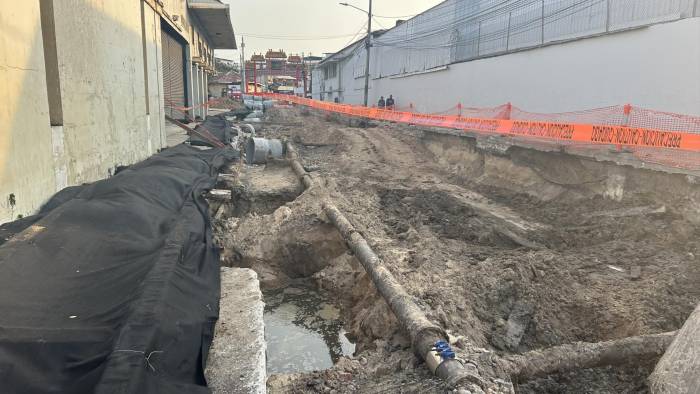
x: 368, y: 45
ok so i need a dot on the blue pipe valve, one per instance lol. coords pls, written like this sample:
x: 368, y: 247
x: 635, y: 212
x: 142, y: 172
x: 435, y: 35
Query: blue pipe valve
x: 447, y: 354
x: 444, y: 350
x: 441, y: 345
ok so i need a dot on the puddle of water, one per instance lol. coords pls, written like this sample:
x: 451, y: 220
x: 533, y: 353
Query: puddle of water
x: 303, y: 330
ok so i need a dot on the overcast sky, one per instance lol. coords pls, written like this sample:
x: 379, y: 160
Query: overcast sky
x: 309, y: 19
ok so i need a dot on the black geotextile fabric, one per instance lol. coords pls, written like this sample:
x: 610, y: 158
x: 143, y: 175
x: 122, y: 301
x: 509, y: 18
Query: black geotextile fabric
x: 114, y: 286
x: 216, y: 125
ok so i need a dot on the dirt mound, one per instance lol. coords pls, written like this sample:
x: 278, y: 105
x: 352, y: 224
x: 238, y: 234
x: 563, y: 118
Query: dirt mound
x: 445, y: 215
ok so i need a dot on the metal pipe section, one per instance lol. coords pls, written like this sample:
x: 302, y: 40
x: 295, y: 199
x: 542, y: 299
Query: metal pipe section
x: 258, y: 150
x: 585, y: 355
x: 429, y: 341
x: 299, y: 170
x: 276, y: 149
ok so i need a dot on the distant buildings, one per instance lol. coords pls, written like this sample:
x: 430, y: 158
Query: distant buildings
x: 226, y: 63
x: 224, y: 83
x: 276, y: 71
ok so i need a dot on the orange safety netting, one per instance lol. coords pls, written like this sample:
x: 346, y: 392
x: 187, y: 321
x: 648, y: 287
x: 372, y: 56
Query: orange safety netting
x: 652, y: 136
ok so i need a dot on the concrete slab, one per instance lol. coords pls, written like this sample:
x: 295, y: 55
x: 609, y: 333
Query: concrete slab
x: 237, y: 357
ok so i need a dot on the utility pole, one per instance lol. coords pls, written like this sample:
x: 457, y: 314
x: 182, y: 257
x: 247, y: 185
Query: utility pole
x: 244, y: 78
x: 303, y: 71
x: 311, y: 83
x: 255, y: 75
x: 369, y: 49
x: 368, y: 44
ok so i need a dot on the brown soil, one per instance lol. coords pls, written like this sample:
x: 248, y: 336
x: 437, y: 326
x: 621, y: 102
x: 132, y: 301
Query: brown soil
x: 512, y: 248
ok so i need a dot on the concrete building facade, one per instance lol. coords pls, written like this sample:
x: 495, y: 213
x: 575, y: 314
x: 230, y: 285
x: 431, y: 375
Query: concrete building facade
x: 548, y: 56
x: 83, y: 83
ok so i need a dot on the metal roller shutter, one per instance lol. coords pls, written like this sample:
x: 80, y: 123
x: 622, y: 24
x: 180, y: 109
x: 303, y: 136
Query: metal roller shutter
x: 173, y: 76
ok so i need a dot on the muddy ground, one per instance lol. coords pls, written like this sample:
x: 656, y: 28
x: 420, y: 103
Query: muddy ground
x: 512, y: 248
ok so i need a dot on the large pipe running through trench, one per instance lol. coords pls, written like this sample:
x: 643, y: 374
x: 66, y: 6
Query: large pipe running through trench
x: 424, y: 334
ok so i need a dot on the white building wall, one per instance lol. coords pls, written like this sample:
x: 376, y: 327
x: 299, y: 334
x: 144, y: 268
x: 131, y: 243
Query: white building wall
x: 656, y: 67
x: 316, y: 83
x: 353, y: 75
x: 326, y: 87
x: 109, y: 95
x: 548, y: 56
x: 349, y: 82
x: 27, y: 142
x: 109, y: 67
x: 461, y: 30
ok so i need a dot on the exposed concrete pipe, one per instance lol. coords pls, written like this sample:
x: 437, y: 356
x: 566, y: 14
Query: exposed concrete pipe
x: 258, y: 150
x: 276, y: 148
x: 254, y: 105
x: 585, y: 355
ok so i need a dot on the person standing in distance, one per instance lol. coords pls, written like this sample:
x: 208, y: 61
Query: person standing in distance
x: 390, y: 102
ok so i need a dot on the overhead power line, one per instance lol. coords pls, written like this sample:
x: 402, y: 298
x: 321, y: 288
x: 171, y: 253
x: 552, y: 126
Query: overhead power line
x: 395, y: 17
x: 378, y: 23
x: 359, y: 31
x: 301, y: 38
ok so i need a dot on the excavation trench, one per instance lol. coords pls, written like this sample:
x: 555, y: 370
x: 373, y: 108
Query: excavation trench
x: 528, y: 257
x: 431, y: 343
x: 311, y: 285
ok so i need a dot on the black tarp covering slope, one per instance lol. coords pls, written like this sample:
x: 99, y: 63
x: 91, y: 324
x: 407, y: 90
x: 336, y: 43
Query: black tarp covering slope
x: 218, y: 126
x: 115, y: 288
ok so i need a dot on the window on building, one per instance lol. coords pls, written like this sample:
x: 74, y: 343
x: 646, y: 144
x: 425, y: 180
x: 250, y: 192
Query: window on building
x: 53, y: 82
x: 330, y: 71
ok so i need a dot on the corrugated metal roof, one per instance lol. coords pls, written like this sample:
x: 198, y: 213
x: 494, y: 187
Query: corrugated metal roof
x: 215, y: 18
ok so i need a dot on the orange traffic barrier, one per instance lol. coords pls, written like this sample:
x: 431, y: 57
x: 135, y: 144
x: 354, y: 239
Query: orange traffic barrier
x: 208, y: 103
x: 561, y: 131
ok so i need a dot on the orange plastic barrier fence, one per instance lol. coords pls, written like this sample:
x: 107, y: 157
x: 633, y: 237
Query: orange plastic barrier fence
x: 687, y: 139
x: 209, y: 103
